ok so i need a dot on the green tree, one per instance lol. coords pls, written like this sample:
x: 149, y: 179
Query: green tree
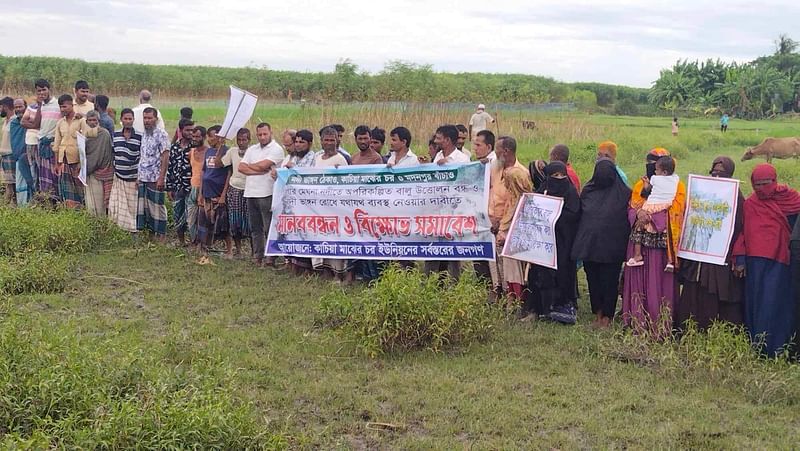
x: 674, y: 89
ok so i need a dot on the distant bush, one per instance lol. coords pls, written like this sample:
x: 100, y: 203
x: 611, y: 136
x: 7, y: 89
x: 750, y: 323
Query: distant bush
x: 626, y: 107
x: 722, y: 354
x: 407, y: 310
x: 61, y: 390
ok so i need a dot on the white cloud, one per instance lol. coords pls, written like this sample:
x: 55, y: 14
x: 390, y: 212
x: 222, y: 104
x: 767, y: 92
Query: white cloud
x: 621, y: 42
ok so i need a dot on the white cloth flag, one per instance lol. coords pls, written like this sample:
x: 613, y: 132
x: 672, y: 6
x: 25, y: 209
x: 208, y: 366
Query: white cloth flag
x: 82, y: 156
x: 240, y: 109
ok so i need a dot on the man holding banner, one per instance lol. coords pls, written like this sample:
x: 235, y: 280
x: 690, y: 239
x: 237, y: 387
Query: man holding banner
x: 445, y: 138
x: 340, y: 213
x: 500, y: 207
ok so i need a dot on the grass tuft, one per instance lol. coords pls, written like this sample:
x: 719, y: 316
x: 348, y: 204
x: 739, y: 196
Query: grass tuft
x: 406, y: 310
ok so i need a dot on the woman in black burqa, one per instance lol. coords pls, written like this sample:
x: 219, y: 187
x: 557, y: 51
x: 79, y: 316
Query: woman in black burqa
x: 602, y: 237
x: 713, y: 292
x: 551, y: 292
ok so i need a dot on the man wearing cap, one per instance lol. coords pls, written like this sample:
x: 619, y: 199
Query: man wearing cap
x: 480, y: 120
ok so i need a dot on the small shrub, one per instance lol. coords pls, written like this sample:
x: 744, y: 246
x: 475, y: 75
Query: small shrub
x: 59, y: 389
x: 626, y: 107
x: 34, y: 272
x: 35, y: 245
x: 721, y: 354
x: 406, y: 310
x: 62, y: 231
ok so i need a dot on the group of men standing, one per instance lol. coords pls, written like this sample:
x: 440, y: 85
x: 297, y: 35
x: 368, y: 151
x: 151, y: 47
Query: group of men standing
x: 216, y: 192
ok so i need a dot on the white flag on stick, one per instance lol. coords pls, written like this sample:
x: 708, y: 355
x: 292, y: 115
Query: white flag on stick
x: 240, y: 109
x: 82, y: 156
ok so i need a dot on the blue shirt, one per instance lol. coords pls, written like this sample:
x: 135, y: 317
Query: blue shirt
x: 622, y: 175
x: 107, y: 123
x: 724, y: 120
x: 214, y: 176
x: 17, y: 137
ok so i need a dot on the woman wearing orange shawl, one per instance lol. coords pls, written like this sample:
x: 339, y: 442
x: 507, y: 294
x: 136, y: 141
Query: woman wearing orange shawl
x: 648, y: 289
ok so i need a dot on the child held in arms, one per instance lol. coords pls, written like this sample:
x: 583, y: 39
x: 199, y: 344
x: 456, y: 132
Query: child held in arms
x: 662, y: 186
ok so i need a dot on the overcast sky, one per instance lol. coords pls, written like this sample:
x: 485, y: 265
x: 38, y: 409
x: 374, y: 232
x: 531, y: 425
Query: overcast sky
x: 619, y: 42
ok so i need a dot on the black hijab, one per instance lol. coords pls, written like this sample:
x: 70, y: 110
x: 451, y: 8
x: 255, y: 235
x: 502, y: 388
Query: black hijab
x: 565, y: 277
x: 537, y: 175
x: 603, y: 229
x: 563, y: 188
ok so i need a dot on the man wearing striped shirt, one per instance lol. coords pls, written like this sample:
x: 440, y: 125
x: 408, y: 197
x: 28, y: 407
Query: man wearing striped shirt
x: 122, y: 206
x: 48, y: 113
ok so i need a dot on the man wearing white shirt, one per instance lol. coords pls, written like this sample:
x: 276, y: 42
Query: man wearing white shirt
x: 445, y: 139
x: 138, y: 112
x: 480, y: 120
x: 256, y: 165
x: 401, y: 156
x: 483, y: 145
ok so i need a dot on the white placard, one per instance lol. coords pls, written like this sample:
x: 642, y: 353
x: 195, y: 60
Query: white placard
x: 532, y: 236
x: 710, y: 217
x: 82, y: 156
x: 241, y: 106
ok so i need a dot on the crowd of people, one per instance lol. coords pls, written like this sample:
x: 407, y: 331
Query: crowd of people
x: 623, y: 237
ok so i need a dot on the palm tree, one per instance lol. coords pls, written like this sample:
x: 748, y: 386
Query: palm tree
x: 785, y: 45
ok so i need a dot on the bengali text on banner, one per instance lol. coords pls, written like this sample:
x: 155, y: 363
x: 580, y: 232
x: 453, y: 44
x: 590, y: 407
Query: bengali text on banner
x: 428, y: 212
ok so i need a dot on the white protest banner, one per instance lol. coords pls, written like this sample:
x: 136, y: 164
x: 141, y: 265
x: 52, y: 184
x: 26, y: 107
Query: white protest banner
x: 532, y: 236
x: 709, y: 219
x: 240, y: 108
x: 82, y: 156
x: 427, y: 212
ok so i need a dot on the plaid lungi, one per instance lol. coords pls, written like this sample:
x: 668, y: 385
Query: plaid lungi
x: 33, y: 152
x: 24, y: 189
x: 123, y: 204
x: 46, y: 161
x: 151, y: 211
x: 191, y: 213
x: 98, y: 190
x: 238, y: 219
x: 48, y: 183
x: 70, y: 187
x: 179, y: 211
x: 212, y: 223
x: 8, y: 170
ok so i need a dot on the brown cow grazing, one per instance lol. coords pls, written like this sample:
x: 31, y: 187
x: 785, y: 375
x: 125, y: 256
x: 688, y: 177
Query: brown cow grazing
x: 774, y: 148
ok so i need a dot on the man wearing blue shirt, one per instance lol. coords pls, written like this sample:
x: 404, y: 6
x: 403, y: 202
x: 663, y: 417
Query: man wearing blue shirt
x: 24, y: 178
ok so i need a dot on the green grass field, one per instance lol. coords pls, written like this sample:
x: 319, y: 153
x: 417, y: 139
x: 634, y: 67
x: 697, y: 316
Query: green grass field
x: 531, y: 386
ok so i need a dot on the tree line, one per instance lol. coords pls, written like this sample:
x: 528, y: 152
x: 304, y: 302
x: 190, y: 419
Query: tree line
x: 398, y: 81
x: 760, y: 88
